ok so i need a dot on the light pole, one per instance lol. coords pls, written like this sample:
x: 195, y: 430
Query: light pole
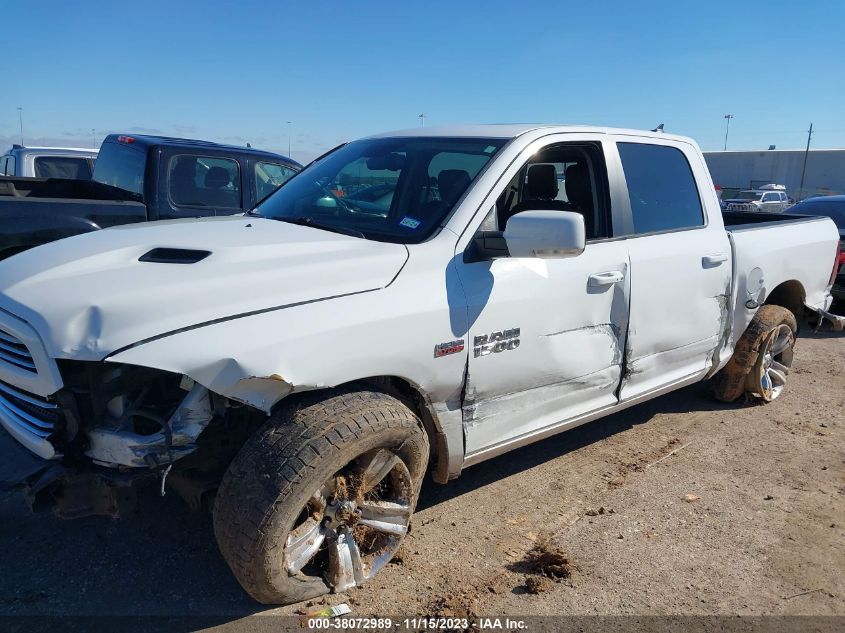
x: 422, y: 119
x: 93, y: 138
x: 20, y: 118
x: 289, y: 133
x: 804, y: 168
x: 727, y: 129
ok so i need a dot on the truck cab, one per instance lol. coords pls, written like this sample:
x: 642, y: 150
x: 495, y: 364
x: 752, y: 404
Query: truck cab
x: 183, y: 178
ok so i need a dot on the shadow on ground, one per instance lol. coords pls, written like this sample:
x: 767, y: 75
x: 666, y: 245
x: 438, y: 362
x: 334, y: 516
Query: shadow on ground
x: 164, y: 560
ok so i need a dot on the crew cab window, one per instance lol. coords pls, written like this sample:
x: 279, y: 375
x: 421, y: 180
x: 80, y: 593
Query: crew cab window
x: 268, y: 177
x: 75, y: 168
x: 121, y: 166
x: 661, y: 188
x: 567, y: 177
x: 771, y: 197
x: 204, y: 181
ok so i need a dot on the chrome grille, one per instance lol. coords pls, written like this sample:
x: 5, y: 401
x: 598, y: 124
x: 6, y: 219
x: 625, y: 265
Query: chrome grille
x: 14, y: 352
x: 28, y: 413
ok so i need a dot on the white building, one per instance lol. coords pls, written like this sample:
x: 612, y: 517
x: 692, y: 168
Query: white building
x: 825, y: 172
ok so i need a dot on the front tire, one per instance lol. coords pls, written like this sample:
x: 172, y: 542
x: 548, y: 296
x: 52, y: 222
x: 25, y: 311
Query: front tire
x: 762, y: 357
x: 319, y: 499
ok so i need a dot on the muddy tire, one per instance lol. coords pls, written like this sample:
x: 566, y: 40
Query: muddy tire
x: 319, y: 498
x: 762, y: 357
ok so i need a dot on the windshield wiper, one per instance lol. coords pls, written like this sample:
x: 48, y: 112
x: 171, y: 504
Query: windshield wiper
x: 306, y: 221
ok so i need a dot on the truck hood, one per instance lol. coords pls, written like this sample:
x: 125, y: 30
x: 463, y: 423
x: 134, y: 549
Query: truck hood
x: 90, y: 295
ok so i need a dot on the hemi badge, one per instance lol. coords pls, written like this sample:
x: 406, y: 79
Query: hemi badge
x: 452, y: 347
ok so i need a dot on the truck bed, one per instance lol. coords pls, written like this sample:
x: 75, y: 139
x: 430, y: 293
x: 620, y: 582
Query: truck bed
x: 774, y: 249
x: 739, y: 220
x: 38, y: 210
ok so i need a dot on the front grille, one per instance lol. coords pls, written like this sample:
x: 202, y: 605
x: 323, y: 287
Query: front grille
x: 14, y: 352
x: 28, y: 413
x: 737, y: 206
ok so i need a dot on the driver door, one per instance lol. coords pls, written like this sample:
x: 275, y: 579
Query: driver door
x: 546, y: 336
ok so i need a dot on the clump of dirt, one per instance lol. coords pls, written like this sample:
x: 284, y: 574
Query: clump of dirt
x: 342, y: 491
x: 547, y: 559
x: 537, y: 584
x: 349, y: 488
x: 463, y: 604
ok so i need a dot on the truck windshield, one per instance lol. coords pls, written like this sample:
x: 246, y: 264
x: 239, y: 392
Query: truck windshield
x: 391, y: 189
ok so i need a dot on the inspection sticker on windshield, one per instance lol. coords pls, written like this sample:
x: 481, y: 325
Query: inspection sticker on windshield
x: 410, y: 222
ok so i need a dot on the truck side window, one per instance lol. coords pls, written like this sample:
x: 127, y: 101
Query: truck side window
x: 204, y: 181
x: 269, y: 176
x: 565, y: 177
x: 661, y: 188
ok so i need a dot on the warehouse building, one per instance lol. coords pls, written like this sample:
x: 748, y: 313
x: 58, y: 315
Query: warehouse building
x: 824, y: 175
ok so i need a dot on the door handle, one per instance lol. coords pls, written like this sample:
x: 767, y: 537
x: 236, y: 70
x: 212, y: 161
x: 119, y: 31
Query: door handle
x: 713, y: 260
x: 605, y: 279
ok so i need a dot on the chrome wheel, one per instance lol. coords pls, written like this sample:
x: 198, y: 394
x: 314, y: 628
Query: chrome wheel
x: 767, y: 378
x: 353, y: 525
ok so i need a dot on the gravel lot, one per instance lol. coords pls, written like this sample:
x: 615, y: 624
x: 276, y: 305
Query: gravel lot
x: 762, y: 532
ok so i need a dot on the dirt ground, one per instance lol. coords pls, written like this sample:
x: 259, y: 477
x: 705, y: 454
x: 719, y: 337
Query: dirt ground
x: 678, y: 506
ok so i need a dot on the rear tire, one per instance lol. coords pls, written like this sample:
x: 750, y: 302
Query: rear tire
x: 320, y: 497
x: 762, y: 357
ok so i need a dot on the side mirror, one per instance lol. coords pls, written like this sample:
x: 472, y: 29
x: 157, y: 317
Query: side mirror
x: 545, y: 234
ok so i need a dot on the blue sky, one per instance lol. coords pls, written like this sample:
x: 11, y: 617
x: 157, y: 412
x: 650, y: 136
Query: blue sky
x: 238, y: 71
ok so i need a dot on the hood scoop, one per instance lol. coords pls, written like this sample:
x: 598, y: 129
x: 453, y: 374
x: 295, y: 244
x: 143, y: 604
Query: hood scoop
x: 174, y: 256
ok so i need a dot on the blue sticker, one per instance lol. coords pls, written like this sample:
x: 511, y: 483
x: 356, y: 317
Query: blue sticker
x: 411, y: 223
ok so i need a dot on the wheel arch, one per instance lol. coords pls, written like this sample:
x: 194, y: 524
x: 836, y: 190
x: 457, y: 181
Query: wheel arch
x: 790, y: 295
x: 443, y: 450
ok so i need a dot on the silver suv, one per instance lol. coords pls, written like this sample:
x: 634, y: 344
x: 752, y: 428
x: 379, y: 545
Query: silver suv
x: 768, y: 201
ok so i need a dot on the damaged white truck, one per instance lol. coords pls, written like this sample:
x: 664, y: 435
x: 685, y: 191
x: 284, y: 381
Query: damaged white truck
x: 408, y: 303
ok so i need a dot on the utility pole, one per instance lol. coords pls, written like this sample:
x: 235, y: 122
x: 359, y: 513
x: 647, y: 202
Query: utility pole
x: 289, y: 133
x: 804, y: 168
x: 93, y: 138
x: 20, y: 118
x: 422, y: 119
x: 727, y: 129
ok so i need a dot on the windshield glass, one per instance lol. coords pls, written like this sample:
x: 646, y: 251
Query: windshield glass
x: 834, y: 209
x: 391, y: 189
x: 748, y: 195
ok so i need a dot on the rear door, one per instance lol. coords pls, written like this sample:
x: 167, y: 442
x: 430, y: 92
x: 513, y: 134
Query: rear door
x: 680, y: 265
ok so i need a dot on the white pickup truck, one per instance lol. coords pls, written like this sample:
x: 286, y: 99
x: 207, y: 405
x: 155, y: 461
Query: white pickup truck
x: 416, y: 301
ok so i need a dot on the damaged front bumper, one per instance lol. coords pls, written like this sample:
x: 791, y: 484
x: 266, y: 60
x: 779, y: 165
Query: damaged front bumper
x: 68, y: 492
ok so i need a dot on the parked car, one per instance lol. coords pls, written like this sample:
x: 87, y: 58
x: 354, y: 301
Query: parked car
x: 832, y: 207
x: 48, y: 162
x: 769, y: 199
x: 136, y: 179
x: 308, y: 363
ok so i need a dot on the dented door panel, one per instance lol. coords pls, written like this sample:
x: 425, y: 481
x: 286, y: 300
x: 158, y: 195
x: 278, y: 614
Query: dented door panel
x: 570, y: 342
x: 680, y: 307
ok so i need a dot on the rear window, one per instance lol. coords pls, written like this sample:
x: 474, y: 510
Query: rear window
x: 73, y: 167
x: 661, y: 188
x: 121, y: 166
